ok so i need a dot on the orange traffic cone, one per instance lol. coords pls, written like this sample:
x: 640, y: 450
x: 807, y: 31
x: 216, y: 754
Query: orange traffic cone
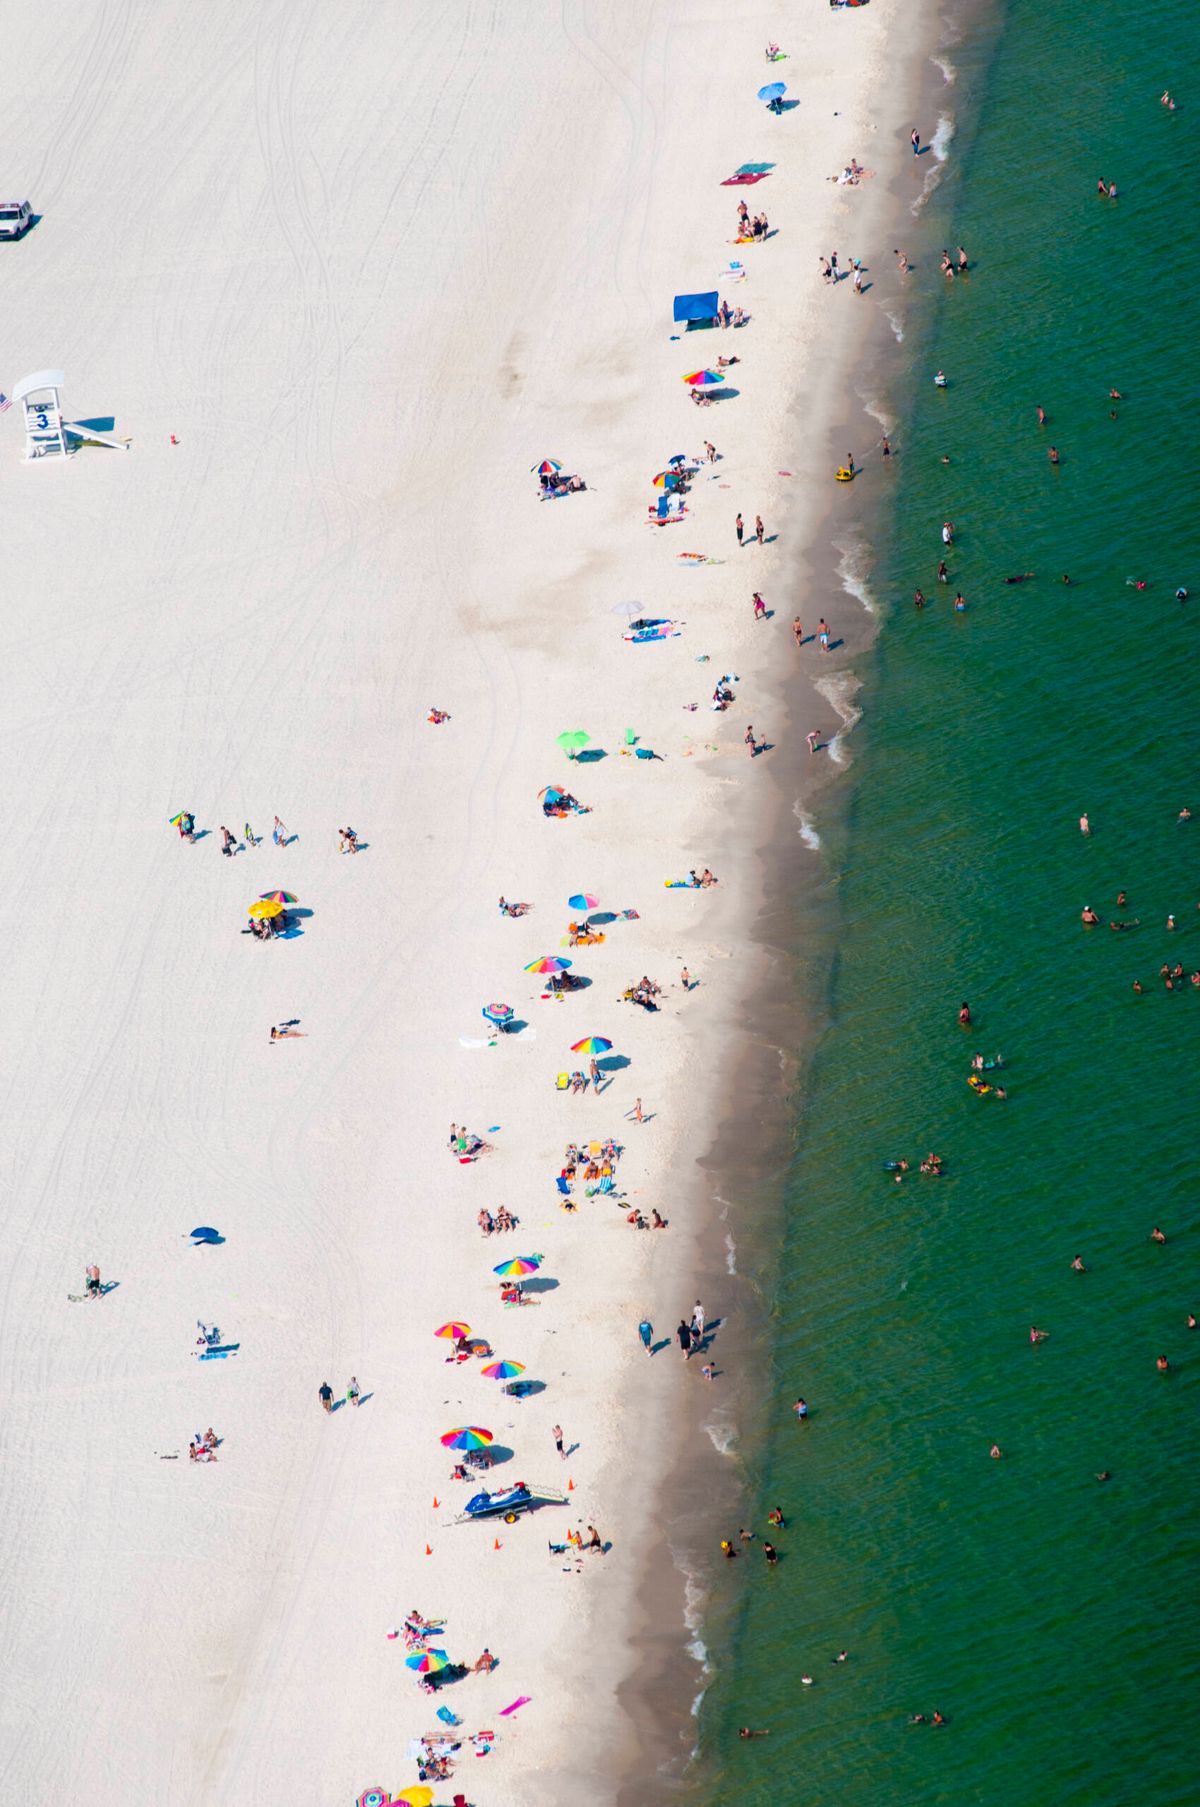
x: 570, y: 1485
x: 495, y: 1543
x: 435, y: 1502
x: 428, y: 1551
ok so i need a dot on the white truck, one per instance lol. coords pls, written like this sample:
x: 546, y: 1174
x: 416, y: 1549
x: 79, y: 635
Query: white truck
x: 16, y: 217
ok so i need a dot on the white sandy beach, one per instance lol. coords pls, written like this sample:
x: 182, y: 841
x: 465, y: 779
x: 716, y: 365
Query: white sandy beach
x: 368, y: 266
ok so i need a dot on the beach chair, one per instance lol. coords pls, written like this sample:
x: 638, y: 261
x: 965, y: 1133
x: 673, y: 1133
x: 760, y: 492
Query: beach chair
x: 562, y: 1083
x: 564, y: 1185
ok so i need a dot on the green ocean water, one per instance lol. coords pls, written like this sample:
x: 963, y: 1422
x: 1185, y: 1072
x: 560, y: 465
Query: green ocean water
x: 1051, y: 1618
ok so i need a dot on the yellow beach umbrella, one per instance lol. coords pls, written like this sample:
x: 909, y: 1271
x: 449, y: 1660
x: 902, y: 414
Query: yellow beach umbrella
x: 416, y: 1796
x: 266, y: 906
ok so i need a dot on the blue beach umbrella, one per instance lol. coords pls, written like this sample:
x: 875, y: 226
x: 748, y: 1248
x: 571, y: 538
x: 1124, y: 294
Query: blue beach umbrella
x: 772, y: 91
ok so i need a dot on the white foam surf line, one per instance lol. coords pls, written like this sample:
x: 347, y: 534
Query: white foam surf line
x: 879, y: 410
x: 939, y: 151
x: 722, y: 1433
x: 949, y: 72
x: 852, y: 569
x: 808, y: 834
x: 838, y: 691
x: 891, y: 315
x: 695, y: 1598
x: 730, y: 1256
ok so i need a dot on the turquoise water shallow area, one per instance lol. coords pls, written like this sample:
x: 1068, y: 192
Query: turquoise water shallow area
x: 1051, y: 1617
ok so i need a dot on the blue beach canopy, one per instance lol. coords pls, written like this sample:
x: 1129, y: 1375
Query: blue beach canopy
x: 697, y: 307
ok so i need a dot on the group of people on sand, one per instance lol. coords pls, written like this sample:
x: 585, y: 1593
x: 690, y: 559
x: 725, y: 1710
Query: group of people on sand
x: 465, y: 1144
x: 503, y: 1220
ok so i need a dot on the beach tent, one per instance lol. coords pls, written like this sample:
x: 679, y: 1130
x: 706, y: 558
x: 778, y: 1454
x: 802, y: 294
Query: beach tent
x: 697, y: 309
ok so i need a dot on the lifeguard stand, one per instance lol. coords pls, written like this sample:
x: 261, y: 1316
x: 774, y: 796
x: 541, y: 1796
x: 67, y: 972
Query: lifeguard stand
x: 47, y: 434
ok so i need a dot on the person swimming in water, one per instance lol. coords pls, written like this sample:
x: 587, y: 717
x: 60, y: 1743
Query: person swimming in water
x: 1021, y: 577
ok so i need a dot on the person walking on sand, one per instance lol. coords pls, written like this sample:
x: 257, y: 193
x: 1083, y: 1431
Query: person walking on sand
x: 594, y: 1070
x: 352, y: 1393
x: 279, y: 833
x: 760, y: 607
x: 823, y: 634
x: 683, y: 1337
x: 711, y: 450
x: 557, y: 1434
x: 685, y: 978
x: 325, y: 1395
x: 646, y: 1332
x: 914, y: 138
x: 228, y: 843
x: 797, y: 631
x: 858, y: 279
x: 698, y: 1323
x: 739, y: 527
x: 636, y: 1112
x: 91, y: 1281
x: 813, y: 737
x: 758, y: 528
x: 249, y: 836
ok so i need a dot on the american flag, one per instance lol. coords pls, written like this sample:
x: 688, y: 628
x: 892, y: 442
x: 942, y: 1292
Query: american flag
x: 5, y: 404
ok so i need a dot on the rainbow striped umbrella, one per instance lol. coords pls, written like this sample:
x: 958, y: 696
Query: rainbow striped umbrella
x: 454, y: 1329
x: 279, y: 897
x: 427, y: 1662
x: 583, y: 900
x: 519, y: 1265
x: 470, y: 1436
x: 546, y: 468
x: 504, y: 1370
x: 591, y: 1044
x: 549, y: 963
x: 704, y: 379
